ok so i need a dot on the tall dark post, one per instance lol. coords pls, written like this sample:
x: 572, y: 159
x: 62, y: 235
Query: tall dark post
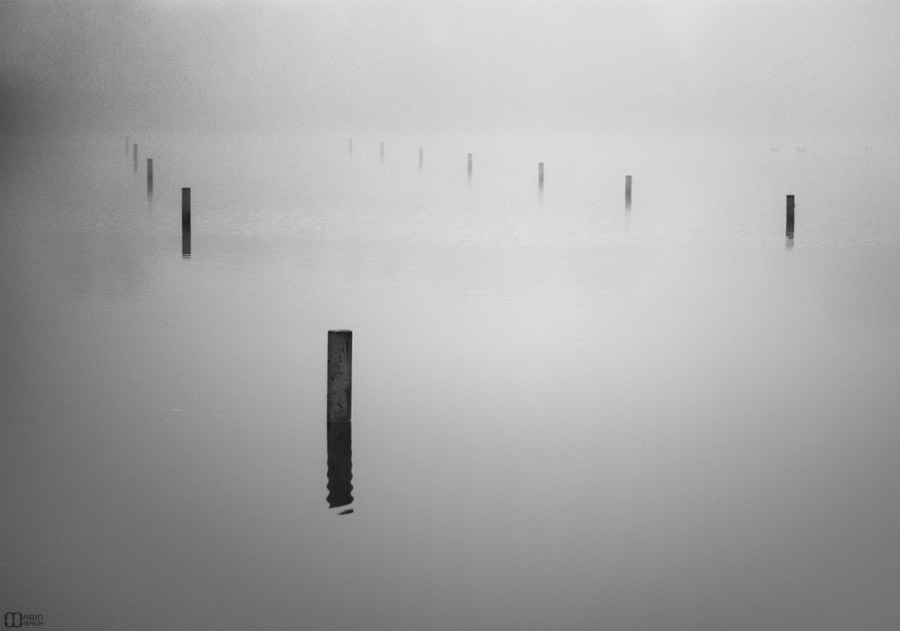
x: 185, y: 209
x: 541, y: 176
x: 382, y: 152
x: 135, y: 157
x: 421, y: 157
x: 340, y: 361
x: 627, y: 191
x: 149, y: 178
x: 789, y: 227
x: 470, y: 166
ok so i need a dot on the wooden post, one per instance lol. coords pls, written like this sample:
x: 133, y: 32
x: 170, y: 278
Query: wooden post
x: 470, y: 166
x: 340, y: 362
x: 789, y: 227
x: 382, y: 152
x: 135, y: 157
x: 628, y: 191
x: 421, y: 157
x: 126, y: 145
x: 541, y: 175
x: 149, y: 177
x: 185, y: 209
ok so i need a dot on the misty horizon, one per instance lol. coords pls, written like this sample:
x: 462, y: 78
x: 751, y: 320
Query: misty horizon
x: 795, y: 69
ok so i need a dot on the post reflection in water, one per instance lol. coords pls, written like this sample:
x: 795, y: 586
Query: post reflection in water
x: 186, y: 243
x: 340, y: 465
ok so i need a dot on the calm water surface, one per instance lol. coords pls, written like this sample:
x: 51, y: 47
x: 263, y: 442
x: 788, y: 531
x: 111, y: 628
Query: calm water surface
x: 565, y: 414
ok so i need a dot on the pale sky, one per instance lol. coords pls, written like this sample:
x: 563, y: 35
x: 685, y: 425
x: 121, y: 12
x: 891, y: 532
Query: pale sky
x: 717, y: 66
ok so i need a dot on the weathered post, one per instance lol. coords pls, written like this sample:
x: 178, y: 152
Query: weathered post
x: 470, y: 166
x: 541, y: 176
x: 627, y: 191
x: 340, y: 449
x: 185, y: 209
x: 135, y: 157
x: 340, y: 362
x: 126, y: 145
x: 382, y: 152
x: 149, y: 178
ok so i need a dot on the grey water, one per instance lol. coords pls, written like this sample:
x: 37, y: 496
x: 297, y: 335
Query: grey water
x: 566, y: 413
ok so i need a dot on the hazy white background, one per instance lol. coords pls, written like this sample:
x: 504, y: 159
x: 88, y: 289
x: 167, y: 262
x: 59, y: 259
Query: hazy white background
x: 794, y: 67
x: 565, y: 415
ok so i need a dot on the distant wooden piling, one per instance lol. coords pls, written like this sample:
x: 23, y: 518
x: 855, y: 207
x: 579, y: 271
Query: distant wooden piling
x: 186, y: 223
x: 628, y: 191
x: 382, y: 152
x: 470, y: 166
x: 149, y: 177
x: 421, y: 157
x: 185, y: 209
x: 541, y: 176
x: 127, y: 145
x: 789, y: 227
x: 340, y: 362
x: 135, y: 147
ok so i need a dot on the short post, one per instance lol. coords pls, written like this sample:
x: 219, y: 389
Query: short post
x: 789, y: 227
x: 382, y: 152
x: 340, y: 361
x: 470, y: 166
x: 135, y: 157
x: 421, y: 157
x: 541, y: 176
x: 185, y: 209
x: 149, y: 177
x: 628, y: 191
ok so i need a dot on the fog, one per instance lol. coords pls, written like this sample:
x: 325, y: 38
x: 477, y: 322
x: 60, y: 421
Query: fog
x: 569, y: 410
x: 795, y: 68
